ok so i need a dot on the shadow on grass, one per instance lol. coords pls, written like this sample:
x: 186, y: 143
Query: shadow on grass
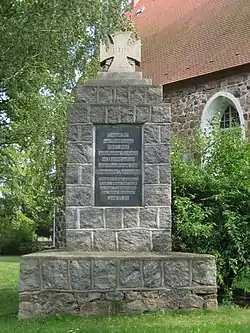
x: 8, y: 303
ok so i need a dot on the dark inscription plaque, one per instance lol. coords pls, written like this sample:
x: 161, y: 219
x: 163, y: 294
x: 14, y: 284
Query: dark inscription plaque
x: 118, y: 165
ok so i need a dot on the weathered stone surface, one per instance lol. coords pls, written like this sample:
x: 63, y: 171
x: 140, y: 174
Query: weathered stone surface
x: 143, y: 113
x: 176, y: 273
x: 80, y: 274
x: 154, y: 94
x: 165, y: 133
x: 54, y: 303
x: 106, y: 95
x: 72, y: 174
x: 151, y: 174
x: 104, y: 274
x: 73, y: 132
x: 83, y: 298
x: 131, y: 295
x: 161, y: 113
x: 113, y: 218
x: 204, y: 272
x: 114, y: 295
x: 79, y: 153
x: 128, y: 114
x: 79, y: 113
x: 148, y: 217
x: 210, y: 302
x: 161, y: 241
x: 86, y: 173
x: 86, y: 94
x: 192, y: 301
x: 157, y: 154
x: 165, y: 174
x: 91, y: 218
x: 79, y: 196
x: 28, y: 310
x: 134, y: 240
x: 71, y: 218
x: 165, y: 218
x: 130, y: 217
x: 171, y: 299
x: 29, y: 275
x: 130, y: 274
x: 114, y: 114
x: 86, y: 132
x: 98, y: 114
x: 137, y: 95
x: 151, y: 133
x: 55, y: 274
x: 99, y: 308
x: 152, y: 274
x: 79, y: 240
x: 104, y: 240
x: 136, y: 306
x: 157, y: 195
x: 122, y: 95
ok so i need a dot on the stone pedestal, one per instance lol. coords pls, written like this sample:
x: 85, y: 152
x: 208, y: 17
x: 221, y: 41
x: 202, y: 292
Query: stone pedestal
x: 117, y: 259
x: 105, y: 283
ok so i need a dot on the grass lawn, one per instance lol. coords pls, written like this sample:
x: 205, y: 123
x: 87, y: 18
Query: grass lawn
x: 226, y: 320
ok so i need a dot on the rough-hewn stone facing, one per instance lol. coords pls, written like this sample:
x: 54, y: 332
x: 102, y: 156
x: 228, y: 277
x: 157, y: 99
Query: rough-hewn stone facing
x: 143, y: 114
x: 69, y: 283
x: 151, y: 133
x: 105, y: 276
x: 151, y: 174
x: 137, y: 95
x: 130, y: 217
x: 161, y: 241
x: 113, y: 217
x: 87, y: 94
x: 98, y: 114
x: 79, y: 196
x: 134, y: 240
x: 29, y: 275
x: 80, y: 153
x: 72, y: 174
x: 80, y: 274
x: 165, y: 218
x: 161, y: 113
x: 104, y: 240
x: 91, y: 218
x: 157, y: 154
x: 157, y: 195
x: 79, y: 113
x: 86, y: 174
x: 55, y: 274
x: 204, y: 272
x: 177, y: 274
x: 148, y: 217
x: 130, y: 274
x: 71, y: 218
x: 113, y: 302
x: 79, y: 240
x: 152, y: 274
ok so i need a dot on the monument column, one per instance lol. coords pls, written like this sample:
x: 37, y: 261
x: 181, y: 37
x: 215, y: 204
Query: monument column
x: 118, y: 184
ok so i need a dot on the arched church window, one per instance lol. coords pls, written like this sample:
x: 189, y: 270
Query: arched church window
x: 230, y: 118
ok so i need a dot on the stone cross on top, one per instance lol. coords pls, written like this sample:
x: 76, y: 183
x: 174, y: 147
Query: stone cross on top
x: 124, y: 50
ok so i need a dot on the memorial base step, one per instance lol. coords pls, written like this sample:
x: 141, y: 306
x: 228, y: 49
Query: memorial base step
x: 105, y: 283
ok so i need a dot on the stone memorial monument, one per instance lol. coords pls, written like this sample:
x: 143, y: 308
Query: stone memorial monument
x: 118, y: 255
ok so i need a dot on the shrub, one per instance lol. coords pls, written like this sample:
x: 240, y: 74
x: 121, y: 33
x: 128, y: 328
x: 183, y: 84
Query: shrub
x: 17, y: 237
x: 211, y: 200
